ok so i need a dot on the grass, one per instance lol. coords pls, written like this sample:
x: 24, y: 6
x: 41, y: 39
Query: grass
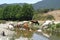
x: 53, y: 28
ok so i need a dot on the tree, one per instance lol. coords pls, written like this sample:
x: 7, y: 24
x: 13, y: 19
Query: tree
x: 1, y: 13
x: 27, y: 12
x: 12, y: 12
x: 17, y: 12
x: 6, y: 13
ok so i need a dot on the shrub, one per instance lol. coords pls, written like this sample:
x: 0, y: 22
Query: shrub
x: 49, y: 17
x: 58, y: 25
x: 43, y: 10
x: 43, y: 17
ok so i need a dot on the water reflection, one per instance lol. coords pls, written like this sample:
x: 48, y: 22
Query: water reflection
x: 32, y: 35
x: 28, y: 35
x: 39, y: 37
x: 24, y: 33
x: 55, y: 36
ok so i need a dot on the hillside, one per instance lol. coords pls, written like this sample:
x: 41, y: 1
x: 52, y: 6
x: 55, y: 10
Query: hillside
x: 55, y: 13
x: 47, y: 4
x: 3, y: 5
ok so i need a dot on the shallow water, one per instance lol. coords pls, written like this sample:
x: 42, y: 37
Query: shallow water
x: 27, y: 35
x: 31, y: 35
x: 55, y: 36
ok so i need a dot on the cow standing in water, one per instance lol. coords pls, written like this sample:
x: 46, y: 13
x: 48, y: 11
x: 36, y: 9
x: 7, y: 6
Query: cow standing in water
x: 35, y: 21
x: 46, y: 23
x: 20, y: 24
x: 26, y: 26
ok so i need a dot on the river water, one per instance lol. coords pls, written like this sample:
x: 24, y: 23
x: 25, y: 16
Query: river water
x: 27, y: 35
x: 31, y: 35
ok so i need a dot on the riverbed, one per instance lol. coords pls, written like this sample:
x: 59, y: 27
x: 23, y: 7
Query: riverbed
x: 28, y: 35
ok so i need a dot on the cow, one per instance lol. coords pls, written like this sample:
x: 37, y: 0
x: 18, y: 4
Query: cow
x: 35, y: 22
x: 46, y: 23
x: 26, y: 26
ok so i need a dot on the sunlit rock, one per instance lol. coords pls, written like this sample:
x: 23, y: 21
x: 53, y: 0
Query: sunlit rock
x: 39, y: 30
x: 46, y: 35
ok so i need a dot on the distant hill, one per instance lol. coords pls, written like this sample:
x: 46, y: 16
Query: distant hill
x: 41, y: 4
x: 3, y: 5
x: 47, y: 4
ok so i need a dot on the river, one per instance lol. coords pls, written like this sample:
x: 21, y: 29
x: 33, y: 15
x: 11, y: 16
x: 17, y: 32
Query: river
x: 27, y: 35
x: 30, y: 35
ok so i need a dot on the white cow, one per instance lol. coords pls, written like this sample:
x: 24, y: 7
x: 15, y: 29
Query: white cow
x: 11, y: 27
x: 47, y: 22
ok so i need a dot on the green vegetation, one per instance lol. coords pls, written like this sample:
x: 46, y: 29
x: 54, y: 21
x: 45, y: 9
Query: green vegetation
x: 16, y: 12
x: 54, y: 27
x: 24, y: 12
x: 58, y: 25
x: 43, y: 17
x: 49, y: 17
x: 39, y: 14
x: 44, y: 10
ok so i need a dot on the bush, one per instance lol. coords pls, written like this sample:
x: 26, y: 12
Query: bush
x: 54, y: 27
x: 49, y: 17
x: 58, y: 25
x: 43, y: 10
x: 43, y: 17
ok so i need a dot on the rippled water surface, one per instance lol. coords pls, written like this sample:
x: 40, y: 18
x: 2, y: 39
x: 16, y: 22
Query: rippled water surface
x: 27, y: 35
x: 32, y: 35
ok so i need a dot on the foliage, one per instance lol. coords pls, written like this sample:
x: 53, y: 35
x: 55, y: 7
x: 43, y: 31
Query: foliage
x: 43, y: 17
x: 24, y: 12
x: 58, y: 25
x: 1, y: 13
x: 54, y: 27
x: 27, y: 12
x: 49, y: 17
x: 17, y: 12
x: 43, y: 10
